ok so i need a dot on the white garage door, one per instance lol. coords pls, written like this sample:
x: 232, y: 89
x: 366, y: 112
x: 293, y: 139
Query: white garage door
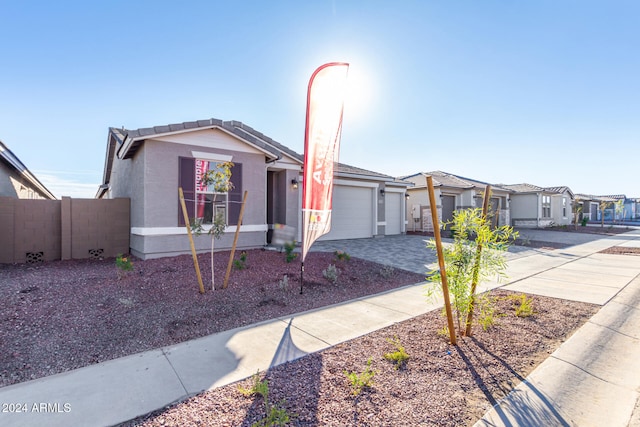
x: 393, y: 213
x: 352, y: 213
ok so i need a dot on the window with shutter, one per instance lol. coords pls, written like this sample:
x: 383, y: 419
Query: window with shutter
x: 201, y: 200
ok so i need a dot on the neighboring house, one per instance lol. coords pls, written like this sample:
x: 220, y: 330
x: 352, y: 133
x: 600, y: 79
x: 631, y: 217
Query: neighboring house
x: 610, y: 211
x: 17, y: 181
x: 590, y: 206
x: 454, y: 192
x: 148, y: 165
x: 632, y: 208
x: 537, y: 207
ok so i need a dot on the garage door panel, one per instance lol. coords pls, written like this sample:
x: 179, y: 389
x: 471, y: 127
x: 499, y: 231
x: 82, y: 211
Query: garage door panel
x: 352, y: 213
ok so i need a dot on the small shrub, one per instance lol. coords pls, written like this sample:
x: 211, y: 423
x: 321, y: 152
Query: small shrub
x: 386, y: 271
x: 487, y: 312
x: 288, y: 250
x: 124, y: 265
x: 443, y: 332
x: 584, y: 221
x: 284, y: 283
x: 400, y: 356
x: 342, y: 256
x: 361, y: 381
x: 524, y: 307
x: 331, y: 274
x: 258, y: 388
x: 241, y: 263
x: 275, y: 415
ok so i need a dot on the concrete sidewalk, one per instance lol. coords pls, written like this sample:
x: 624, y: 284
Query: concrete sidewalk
x: 115, y: 391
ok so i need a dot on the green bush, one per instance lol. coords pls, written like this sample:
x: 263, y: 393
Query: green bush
x: 362, y: 381
x: 331, y: 274
x: 398, y: 357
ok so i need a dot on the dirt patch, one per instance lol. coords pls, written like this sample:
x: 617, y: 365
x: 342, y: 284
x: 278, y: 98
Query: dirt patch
x: 621, y: 250
x: 440, y: 385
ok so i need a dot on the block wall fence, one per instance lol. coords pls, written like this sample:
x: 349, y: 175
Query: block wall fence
x: 48, y: 230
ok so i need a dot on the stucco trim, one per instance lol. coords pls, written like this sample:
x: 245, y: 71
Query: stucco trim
x: 215, y: 157
x: 168, y: 231
x: 355, y: 183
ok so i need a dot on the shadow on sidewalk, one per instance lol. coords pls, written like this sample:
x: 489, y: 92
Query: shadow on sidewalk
x: 522, y: 410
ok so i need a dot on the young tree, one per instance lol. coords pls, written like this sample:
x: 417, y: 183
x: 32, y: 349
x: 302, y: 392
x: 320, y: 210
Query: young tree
x: 577, y: 210
x: 217, y: 179
x: 619, y: 209
x: 463, y: 262
x: 603, y: 205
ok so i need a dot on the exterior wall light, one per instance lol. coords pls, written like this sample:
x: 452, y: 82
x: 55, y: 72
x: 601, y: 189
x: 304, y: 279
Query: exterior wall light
x: 294, y: 184
x: 382, y: 191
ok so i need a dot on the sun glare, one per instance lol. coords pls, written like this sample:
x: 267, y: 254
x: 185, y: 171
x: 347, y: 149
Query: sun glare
x: 359, y: 93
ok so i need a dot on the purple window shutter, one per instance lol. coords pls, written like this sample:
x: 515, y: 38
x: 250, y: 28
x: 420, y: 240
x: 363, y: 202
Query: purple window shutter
x: 187, y: 180
x: 235, y: 195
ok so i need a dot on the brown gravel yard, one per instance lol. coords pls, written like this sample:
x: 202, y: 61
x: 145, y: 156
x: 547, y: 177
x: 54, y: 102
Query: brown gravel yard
x: 441, y: 385
x: 63, y: 315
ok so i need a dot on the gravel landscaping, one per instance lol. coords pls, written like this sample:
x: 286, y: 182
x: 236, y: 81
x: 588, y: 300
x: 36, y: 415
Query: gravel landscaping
x: 440, y: 385
x: 63, y: 315
x: 59, y: 316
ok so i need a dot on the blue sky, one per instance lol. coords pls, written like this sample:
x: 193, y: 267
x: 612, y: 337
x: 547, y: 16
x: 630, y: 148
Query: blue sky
x: 543, y: 92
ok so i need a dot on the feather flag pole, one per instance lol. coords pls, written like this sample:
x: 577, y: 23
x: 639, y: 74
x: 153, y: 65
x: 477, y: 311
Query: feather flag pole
x: 323, y: 127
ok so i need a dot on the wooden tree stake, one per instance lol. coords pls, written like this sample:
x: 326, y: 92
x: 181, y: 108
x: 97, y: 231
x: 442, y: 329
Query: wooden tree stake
x: 443, y: 271
x: 476, y: 267
x: 193, y: 246
x: 235, y: 242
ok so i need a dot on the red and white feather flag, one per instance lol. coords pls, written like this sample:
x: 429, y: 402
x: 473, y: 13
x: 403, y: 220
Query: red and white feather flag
x: 325, y: 104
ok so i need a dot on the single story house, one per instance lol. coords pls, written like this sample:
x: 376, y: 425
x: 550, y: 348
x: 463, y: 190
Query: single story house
x: 537, y: 207
x: 589, y: 206
x: 148, y: 165
x: 17, y: 181
x: 454, y: 192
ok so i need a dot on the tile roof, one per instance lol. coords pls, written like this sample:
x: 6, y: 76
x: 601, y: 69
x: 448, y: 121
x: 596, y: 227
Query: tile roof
x: 125, y: 142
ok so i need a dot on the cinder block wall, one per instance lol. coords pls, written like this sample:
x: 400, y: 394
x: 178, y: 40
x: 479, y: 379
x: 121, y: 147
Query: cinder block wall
x: 46, y: 230
x: 99, y: 228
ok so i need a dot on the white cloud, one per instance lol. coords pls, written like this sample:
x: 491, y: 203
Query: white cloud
x: 77, y: 185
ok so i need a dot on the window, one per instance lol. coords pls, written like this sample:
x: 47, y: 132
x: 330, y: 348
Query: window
x: 209, y: 203
x: 201, y: 201
x: 546, y: 206
x: 564, y: 207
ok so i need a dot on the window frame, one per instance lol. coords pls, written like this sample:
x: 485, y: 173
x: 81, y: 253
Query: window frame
x: 217, y: 203
x: 546, y: 206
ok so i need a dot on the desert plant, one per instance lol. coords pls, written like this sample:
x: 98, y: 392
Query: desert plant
x: 618, y: 207
x: 487, y: 312
x: 524, y: 306
x: 399, y: 356
x: 386, y: 271
x: 123, y: 265
x: 275, y: 415
x: 241, y: 263
x: 284, y: 283
x: 288, y: 250
x: 361, y: 381
x: 342, y: 256
x: 258, y: 387
x: 466, y: 265
x: 583, y: 221
x: 604, y: 204
x: 331, y: 273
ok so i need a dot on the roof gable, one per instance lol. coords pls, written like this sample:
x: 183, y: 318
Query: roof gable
x: 14, y: 163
